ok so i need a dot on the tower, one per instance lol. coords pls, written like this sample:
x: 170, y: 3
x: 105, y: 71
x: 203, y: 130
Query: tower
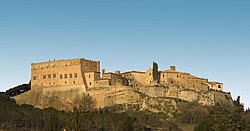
x: 155, y: 72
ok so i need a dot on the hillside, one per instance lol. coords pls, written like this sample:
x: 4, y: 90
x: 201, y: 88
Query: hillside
x: 170, y: 114
x: 155, y: 98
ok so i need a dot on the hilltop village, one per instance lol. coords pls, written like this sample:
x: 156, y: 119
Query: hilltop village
x: 62, y: 81
x: 87, y: 73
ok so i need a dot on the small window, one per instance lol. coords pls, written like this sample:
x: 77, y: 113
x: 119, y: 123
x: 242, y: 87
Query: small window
x: 177, y: 76
x: 61, y: 76
x: 89, y: 76
x: 70, y: 75
x: 44, y: 76
x: 150, y: 74
x: 74, y: 82
x: 34, y: 77
x: 163, y: 75
x: 65, y: 76
x: 219, y: 86
x: 90, y: 83
x: 49, y: 76
x: 54, y: 75
x: 75, y: 75
x: 65, y: 82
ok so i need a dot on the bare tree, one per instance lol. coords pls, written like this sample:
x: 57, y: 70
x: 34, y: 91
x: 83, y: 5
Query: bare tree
x: 85, y: 104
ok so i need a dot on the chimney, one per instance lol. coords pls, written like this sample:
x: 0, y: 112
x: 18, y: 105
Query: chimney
x: 103, y: 71
x: 173, y: 68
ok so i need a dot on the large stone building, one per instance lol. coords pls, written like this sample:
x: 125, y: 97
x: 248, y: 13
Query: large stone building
x: 87, y: 74
x: 65, y: 73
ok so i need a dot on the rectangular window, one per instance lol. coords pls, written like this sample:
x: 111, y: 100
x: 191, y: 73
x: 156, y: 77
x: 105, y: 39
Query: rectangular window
x: 54, y: 75
x: 34, y: 77
x: 61, y: 76
x: 49, y: 76
x: 65, y: 76
x: 75, y: 75
x: 70, y: 76
x: 44, y: 76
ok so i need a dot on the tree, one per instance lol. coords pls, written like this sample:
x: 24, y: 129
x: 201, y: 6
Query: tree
x: 192, y: 112
x: 224, y: 118
x: 85, y: 104
x: 82, y: 105
x: 32, y: 116
x: 247, y: 118
x: 54, y: 120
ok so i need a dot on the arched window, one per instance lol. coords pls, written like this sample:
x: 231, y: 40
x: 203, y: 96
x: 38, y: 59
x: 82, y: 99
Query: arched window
x: 90, y: 83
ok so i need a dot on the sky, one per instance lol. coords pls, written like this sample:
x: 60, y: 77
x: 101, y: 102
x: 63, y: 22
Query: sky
x: 209, y: 39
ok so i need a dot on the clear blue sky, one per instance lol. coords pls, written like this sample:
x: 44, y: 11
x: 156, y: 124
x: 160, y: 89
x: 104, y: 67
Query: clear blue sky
x: 209, y: 39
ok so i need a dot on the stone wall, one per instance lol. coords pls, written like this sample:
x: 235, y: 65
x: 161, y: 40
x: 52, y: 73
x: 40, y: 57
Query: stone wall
x: 147, y: 97
x: 222, y: 98
x: 60, y: 97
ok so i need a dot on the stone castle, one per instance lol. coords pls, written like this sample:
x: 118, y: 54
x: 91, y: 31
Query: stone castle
x: 87, y: 73
x: 59, y: 83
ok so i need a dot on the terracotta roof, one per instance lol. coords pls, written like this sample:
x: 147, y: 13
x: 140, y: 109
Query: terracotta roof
x: 208, y: 82
x: 172, y: 71
x: 133, y: 72
x: 216, y: 82
x: 111, y: 73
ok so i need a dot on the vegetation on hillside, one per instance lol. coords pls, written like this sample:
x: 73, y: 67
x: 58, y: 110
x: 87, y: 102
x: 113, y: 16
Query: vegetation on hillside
x: 83, y: 117
x: 119, y: 117
x: 18, y: 89
x: 226, y: 118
